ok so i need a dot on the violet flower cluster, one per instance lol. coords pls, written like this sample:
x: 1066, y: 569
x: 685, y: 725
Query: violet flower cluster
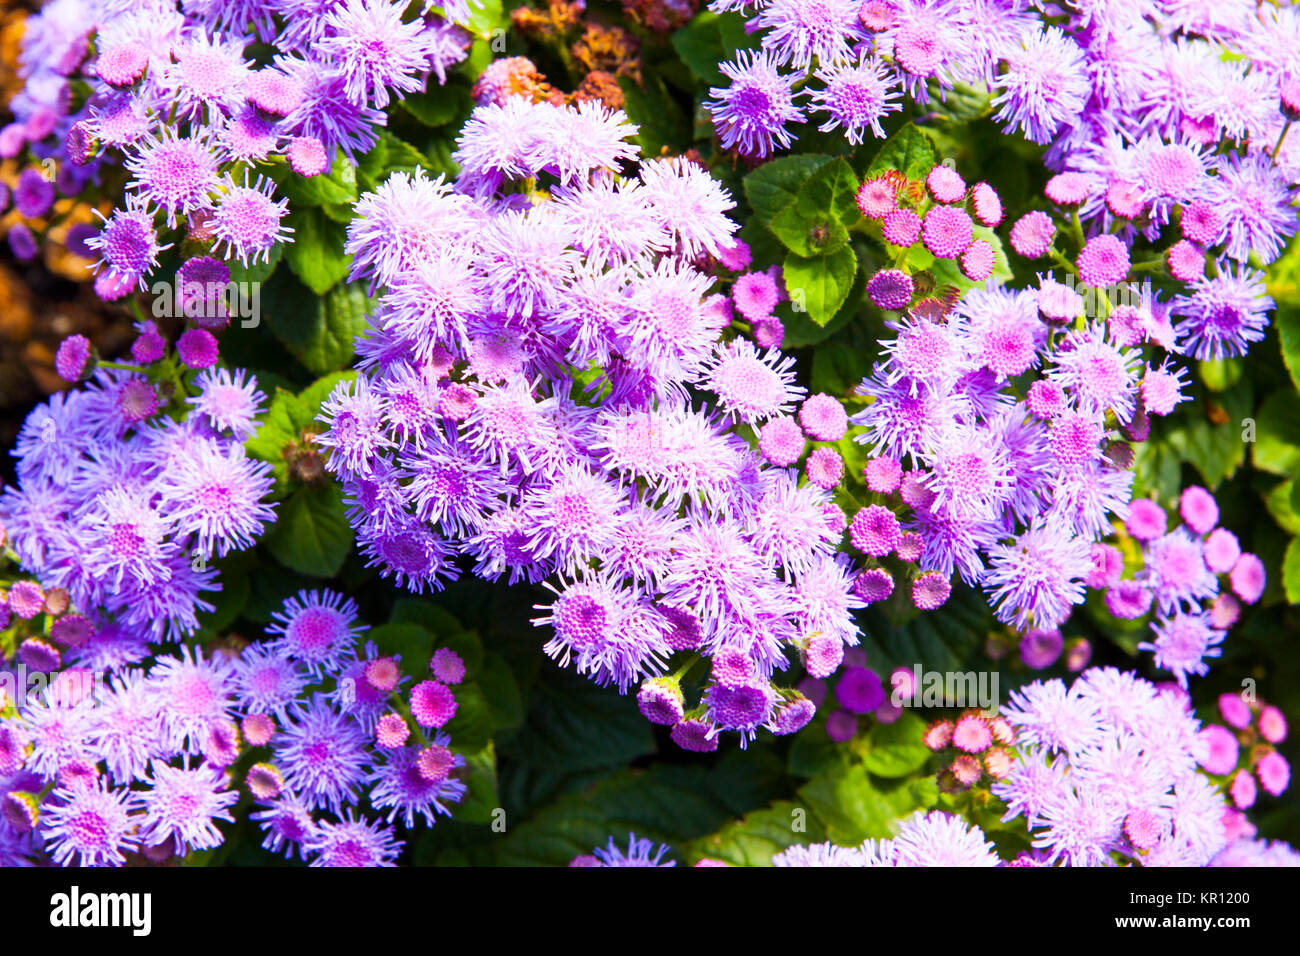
x: 130, y: 486
x: 1242, y: 751
x: 935, y: 838
x: 1000, y: 422
x: 1181, y: 580
x: 994, y: 417
x: 96, y: 768
x: 1107, y: 772
x: 171, y: 95
x: 547, y: 393
x: 1154, y: 115
x: 1111, y: 770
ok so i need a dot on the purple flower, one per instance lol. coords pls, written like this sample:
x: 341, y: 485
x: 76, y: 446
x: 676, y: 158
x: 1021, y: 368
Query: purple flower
x: 322, y: 755
x: 326, y: 113
x: 1223, y: 315
x: 857, y: 97
x: 1182, y: 644
x: 607, y: 633
x: 1044, y: 86
x: 33, y: 195
x: 96, y: 824
x: 1256, y: 202
x: 182, y: 806
x: 375, y: 50
x: 638, y: 853
x: 1035, y: 581
x: 941, y: 839
x: 402, y: 785
x: 247, y: 221
x: 318, y: 628
x: 216, y: 495
x: 177, y: 173
x: 128, y: 245
x: 352, y: 842
x: 752, y: 113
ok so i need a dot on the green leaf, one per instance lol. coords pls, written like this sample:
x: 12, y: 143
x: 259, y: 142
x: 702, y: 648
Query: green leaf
x: 808, y: 232
x: 433, y: 618
x: 275, y: 432
x: 573, y: 725
x: 1157, y: 467
x: 319, y: 331
x: 339, y: 212
x: 710, y: 40
x: 895, y: 750
x: 473, y: 725
x: 228, y: 603
x: 311, y: 534
x: 412, y: 642
x: 1220, y: 374
x: 387, y: 155
x: 812, y: 752
x: 854, y: 808
x: 961, y: 105
x: 660, y: 122
x: 837, y: 371
x: 485, y: 16
x: 815, y: 222
x: 438, y: 159
x: 801, y: 331
x: 1277, y: 434
x: 285, y: 421
x: 820, y: 284
x: 666, y: 802
x: 1287, y: 319
x: 834, y: 186
x: 1216, y: 450
x: 399, y: 154
x: 438, y: 105
x: 1283, y: 503
x: 761, y: 835
x: 337, y: 187
x: 257, y: 272
x: 481, y: 800
x: 316, y: 254
x: 501, y: 692
x: 775, y: 184
x: 1291, y: 571
x: 312, y: 397
x: 909, y: 151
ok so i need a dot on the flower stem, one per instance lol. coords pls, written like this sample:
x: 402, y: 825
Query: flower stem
x: 1277, y: 147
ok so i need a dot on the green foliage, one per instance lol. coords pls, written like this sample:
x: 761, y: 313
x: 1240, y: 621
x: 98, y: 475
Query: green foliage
x: 819, y: 285
x: 661, y: 124
x: 439, y: 105
x: 1277, y: 440
x: 311, y: 534
x: 316, y: 255
x: 816, y: 221
x: 336, y: 187
x: 290, y: 418
x: 318, y: 330
x: 776, y: 184
x: 709, y: 40
x: 1291, y: 571
x: 909, y: 151
x: 664, y: 802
